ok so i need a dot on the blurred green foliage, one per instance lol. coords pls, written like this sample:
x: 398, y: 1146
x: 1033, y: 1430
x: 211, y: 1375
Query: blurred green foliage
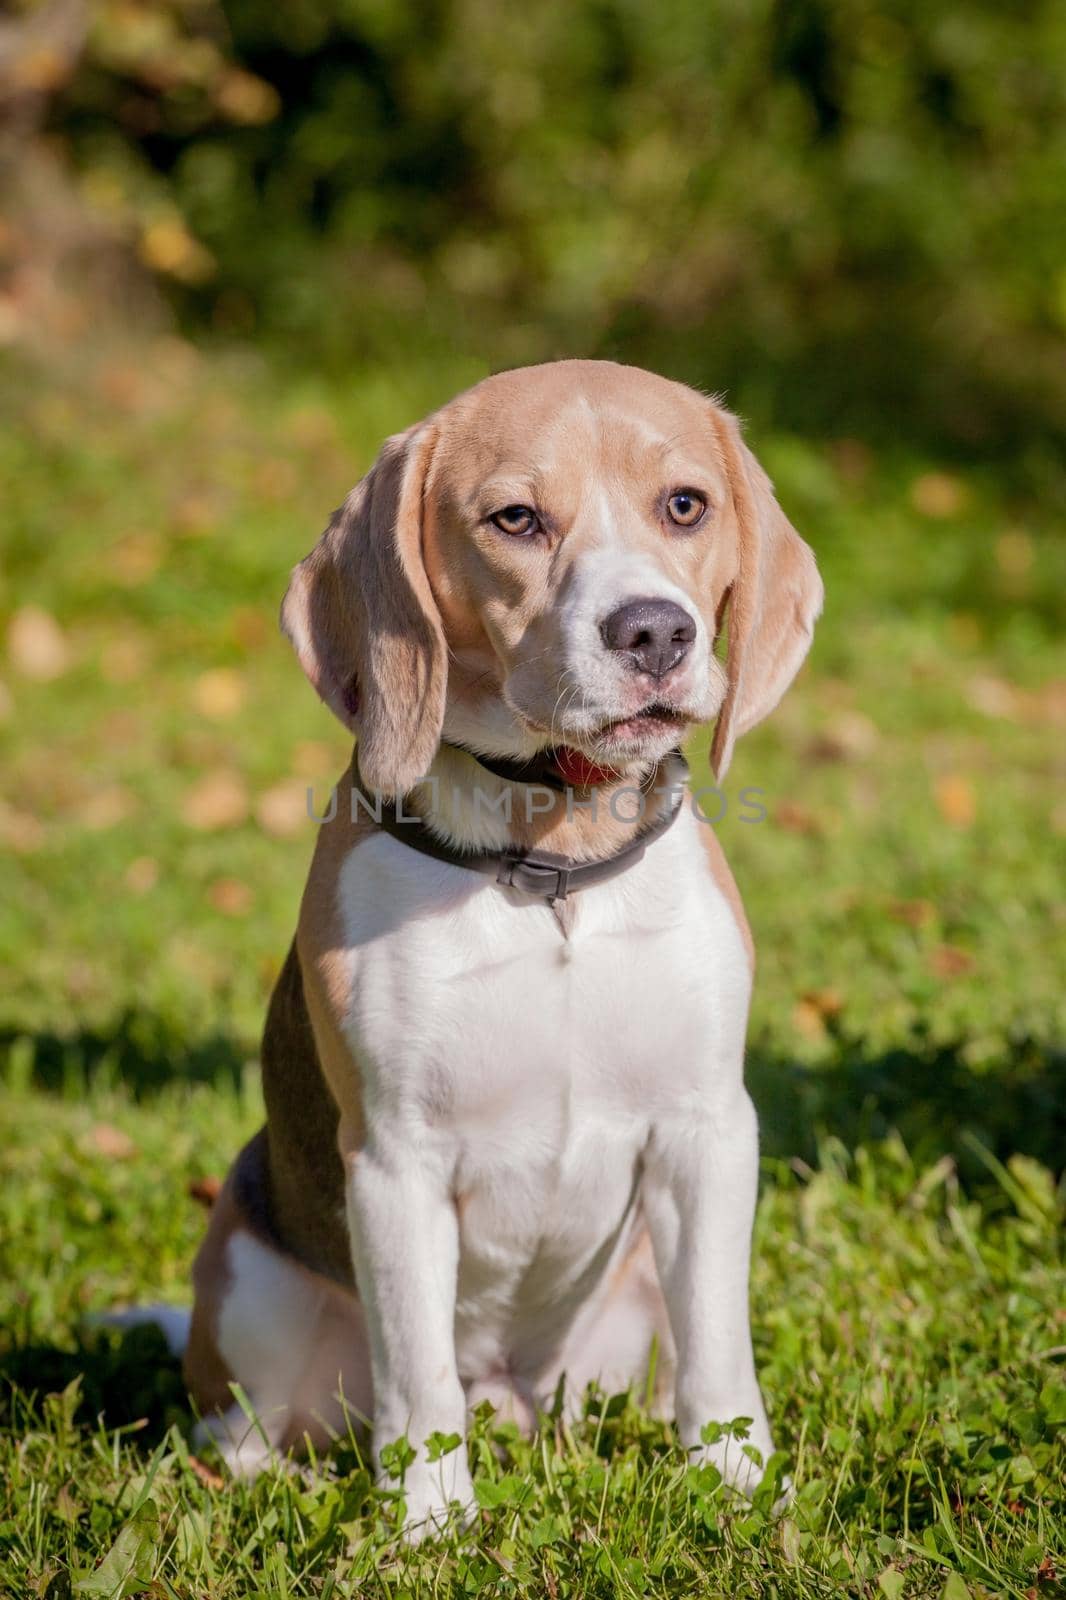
x: 847, y: 213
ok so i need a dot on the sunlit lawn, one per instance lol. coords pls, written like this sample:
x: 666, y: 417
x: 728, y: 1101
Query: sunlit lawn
x: 156, y: 742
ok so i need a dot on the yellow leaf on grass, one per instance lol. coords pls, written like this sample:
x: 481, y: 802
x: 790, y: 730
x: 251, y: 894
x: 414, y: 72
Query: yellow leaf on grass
x: 282, y: 810
x: 111, y: 1142
x: 848, y: 736
x: 795, y: 818
x: 142, y: 874
x: 956, y: 800
x: 219, y: 693
x: 106, y: 808
x: 948, y: 961
x: 124, y: 658
x: 219, y: 800
x: 915, y: 913
x: 230, y: 896
x: 136, y: 559
x: 37, y: 645
x: 20, y: 831
x: 314, y: 758
x: 993, y: 697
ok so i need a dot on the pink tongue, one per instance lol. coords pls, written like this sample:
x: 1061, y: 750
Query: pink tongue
x: 578, y: 771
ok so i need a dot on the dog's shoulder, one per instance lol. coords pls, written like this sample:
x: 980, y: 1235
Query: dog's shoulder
x: 307, y: 1088
x: 726, y: 884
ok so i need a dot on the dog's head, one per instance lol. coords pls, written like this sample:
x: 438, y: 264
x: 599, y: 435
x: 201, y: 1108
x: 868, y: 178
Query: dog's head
x: 549, y: 560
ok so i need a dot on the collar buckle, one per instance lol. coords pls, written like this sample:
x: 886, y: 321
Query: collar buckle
x: 532, y: 876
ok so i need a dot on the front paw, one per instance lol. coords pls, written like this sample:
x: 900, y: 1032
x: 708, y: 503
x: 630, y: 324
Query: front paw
x: 740, y: 1450
x: 433, y: 1493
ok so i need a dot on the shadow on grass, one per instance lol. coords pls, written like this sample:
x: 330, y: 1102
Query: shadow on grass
x: 130, y: 1380
x: 139, y: 1049
x: 927, y: 1092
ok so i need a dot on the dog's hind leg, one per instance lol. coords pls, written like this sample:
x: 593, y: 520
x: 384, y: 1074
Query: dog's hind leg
x: 293, y: 1340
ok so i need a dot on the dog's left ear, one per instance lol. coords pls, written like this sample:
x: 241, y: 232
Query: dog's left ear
x: 773, y: 602
x: 365, y: 625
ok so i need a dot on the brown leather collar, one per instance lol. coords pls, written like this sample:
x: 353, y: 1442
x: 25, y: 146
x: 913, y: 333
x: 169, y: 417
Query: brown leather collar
x: 540, y: 873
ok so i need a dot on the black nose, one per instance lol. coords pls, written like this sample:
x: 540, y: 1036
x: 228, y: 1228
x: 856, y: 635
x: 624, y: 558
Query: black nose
x: 654, y: 634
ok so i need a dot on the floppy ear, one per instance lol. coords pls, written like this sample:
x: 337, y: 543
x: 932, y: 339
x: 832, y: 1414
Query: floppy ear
x: 361, y: 615
x: 774, y: 600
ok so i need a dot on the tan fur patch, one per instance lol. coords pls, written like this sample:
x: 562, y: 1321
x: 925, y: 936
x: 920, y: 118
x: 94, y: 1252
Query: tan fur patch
x: 727, y: 885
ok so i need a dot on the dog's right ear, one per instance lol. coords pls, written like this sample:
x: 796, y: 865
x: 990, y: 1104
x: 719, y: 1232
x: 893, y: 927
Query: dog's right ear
x: 361, y: 615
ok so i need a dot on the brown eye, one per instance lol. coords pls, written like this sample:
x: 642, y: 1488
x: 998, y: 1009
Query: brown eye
x: 686, y: 507
x: 518, y: 521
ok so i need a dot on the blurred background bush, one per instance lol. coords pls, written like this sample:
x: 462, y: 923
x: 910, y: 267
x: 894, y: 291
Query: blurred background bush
x: 848, y: 213
x: 243, y: 241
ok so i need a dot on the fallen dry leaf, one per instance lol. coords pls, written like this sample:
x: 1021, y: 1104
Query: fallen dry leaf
x: 106, y: 808
x: 111, y: 1142
x: 814, y: 1010
x: 20, y: 831
x: 136, y: 558
x: 219, y: 693
x: 121, y: 729
x: 956, y: 800
x: 948, y: 961
x: 194, y: 515
x: 313, y: 758
x: 915, y: 913
x: 142, y: 874
x: 312, y: 427
x: 230, y: 896
x: 251, y: 628
x: 122, y: 385
x: 809, y: 1020
x: 795, y: 819
x: 123, y: 659
x: 219, y: 800
x: 993, y: 697
x: 274, y: 479
x: 37, y: 645
x: 827, y: 1002
x: 1049, y: 703
x: 282, y: 810
x: 203, y: 967
x: 80, y: 981
x: 849, y: 735
x: 209, y: 1479
x: 205, y: 1190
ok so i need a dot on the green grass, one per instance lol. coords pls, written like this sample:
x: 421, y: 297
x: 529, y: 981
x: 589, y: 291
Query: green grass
x: 905, y: 891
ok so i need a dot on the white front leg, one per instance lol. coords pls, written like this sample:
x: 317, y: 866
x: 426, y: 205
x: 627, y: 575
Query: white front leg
x: 699, y: 1186
x: 405, y: 1249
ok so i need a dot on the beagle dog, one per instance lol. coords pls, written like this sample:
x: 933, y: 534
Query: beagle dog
x: 508, y: 1143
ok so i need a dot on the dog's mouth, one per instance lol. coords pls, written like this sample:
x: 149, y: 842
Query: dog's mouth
x: 611, y: 747
x: 649, y: 722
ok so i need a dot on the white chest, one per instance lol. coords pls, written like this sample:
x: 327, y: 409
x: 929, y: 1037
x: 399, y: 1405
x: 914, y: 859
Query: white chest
x: 534, y: 1064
